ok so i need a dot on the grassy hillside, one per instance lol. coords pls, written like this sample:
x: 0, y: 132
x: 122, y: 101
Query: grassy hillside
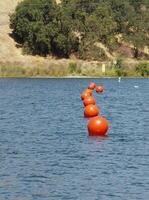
x: 14, y: 63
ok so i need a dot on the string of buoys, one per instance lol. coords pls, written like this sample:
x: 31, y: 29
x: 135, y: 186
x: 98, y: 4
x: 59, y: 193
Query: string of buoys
x: 97, y: 125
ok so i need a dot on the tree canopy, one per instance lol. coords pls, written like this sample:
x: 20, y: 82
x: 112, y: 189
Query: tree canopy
x: 43, y: 27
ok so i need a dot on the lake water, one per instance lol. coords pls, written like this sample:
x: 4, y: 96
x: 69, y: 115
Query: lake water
x: 45, y: 151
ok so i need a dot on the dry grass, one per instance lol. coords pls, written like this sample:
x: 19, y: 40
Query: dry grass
x: 59, y: 69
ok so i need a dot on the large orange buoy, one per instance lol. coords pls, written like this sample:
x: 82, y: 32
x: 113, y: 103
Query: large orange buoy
x: 97, y: 126
x: 99, y: 89
x: 91, y: 111
x: 85, y: 95
x: 92, y: 86
x: 89, y: 100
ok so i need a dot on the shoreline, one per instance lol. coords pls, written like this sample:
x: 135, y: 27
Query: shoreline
x: 72, y: 77
x: 73, y: 69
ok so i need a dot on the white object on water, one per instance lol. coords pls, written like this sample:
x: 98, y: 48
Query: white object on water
x: 136, y: 86
x: 119, y: 79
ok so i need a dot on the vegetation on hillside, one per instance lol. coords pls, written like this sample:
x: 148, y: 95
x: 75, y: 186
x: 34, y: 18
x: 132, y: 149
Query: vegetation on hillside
x: 43, y: 27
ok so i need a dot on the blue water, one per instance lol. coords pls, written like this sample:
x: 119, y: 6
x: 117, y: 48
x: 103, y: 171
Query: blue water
x: 45, y: 151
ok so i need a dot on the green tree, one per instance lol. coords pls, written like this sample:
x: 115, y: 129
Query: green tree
x: 42, y: 28
x: 143, y: 69
x: 132, y: 18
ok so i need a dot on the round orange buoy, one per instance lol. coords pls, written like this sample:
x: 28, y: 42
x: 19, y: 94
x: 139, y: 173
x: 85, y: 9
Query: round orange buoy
x: 92, y: 86
x: 97, y: 126
x: 89, y: 100
x: 99, y: 89
x: 91, y: 111
x: 85, y: 95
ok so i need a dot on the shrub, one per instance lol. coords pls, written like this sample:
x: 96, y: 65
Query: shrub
x: 91, y: 52
x: 119, y: 67
x: 143, y: 69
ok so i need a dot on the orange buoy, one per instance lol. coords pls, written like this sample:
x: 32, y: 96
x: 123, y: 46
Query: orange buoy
x: 97, y: 126
x: 91, y: 111
x: 85, y: 95
x: 89, y: 100
x: 92, y: 86
x: 99, y: 89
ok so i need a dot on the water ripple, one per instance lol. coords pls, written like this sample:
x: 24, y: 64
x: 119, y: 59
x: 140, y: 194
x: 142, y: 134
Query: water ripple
x: 46, y: 153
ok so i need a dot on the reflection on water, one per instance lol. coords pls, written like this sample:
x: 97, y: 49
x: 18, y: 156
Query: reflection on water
x: 98, y: 140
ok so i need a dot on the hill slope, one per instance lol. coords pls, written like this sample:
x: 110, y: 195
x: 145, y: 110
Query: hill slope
x: 7, y: 47
x: 11, y: 55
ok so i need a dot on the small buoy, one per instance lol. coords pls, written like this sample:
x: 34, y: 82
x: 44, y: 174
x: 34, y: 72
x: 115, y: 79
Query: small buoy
x: 85, y: 95
x: 92, y: 86
x: 99, y: 89
x: 89, y: 100
x: 97, y: 126
x: 91, y: 111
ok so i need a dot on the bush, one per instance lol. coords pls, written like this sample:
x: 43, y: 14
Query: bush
x: 119, y: 67
x: 143, y: 69
x: 74, y: 69
x: 91, y: 52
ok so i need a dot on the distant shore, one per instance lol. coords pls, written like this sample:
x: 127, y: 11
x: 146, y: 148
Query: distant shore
x: 72, y: 68
x: 74, y: 77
